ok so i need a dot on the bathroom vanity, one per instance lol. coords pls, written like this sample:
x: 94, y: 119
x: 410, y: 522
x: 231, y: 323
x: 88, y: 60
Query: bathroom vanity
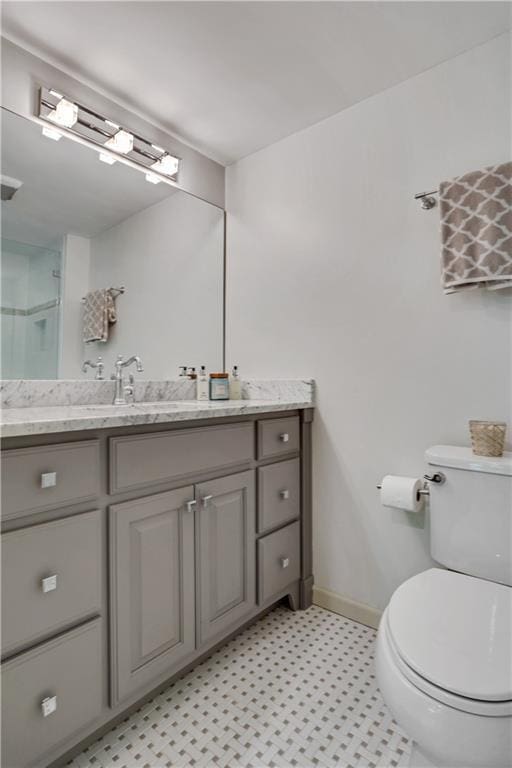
x: 129, y: 552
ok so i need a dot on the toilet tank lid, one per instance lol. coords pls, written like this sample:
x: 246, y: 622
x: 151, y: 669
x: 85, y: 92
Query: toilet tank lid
x: 462, y: 457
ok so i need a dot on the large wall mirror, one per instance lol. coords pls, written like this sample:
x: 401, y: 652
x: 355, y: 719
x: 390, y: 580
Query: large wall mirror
x: 73, y: 227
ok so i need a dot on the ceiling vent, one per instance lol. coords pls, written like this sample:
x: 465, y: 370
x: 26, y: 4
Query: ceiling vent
x: 9, y: 187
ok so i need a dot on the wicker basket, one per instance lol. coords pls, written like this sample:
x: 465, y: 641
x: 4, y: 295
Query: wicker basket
x: 487, y: 437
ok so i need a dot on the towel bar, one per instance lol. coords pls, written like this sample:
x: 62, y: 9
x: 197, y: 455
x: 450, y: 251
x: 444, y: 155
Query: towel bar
x: 115, y: 292
x: 427, y: 201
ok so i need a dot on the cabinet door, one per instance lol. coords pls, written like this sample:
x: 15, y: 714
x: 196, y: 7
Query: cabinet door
x: 226, y: 553
x: 152, y: 588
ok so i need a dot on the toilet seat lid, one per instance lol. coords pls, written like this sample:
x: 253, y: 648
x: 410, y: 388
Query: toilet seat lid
x: 456, y: 632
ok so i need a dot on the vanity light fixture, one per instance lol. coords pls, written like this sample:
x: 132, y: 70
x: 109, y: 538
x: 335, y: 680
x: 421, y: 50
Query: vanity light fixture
x: 114, y: 142
x: 167, y: 164
x: 121, y: 142
x: 51, y: 133
x: 65, y: 113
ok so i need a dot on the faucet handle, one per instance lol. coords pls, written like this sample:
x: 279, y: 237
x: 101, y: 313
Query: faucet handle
x: 99, y: 365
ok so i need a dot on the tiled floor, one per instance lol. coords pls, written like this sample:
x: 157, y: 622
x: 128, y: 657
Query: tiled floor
x: 293, y: 689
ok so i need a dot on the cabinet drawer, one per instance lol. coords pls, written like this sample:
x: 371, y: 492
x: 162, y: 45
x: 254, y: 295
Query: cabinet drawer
x: 49, y: 476
x: 278, y: 561
x: 140, y: 460
x: 50, y: 577
x: 66, y: 672
x: 278, y: 494
x: 278, y: 436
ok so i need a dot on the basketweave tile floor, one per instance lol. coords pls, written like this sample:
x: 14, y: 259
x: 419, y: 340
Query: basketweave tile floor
x: 294, y: 689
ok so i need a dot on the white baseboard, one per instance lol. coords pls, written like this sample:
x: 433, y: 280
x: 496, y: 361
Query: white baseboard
x: 360, y: 612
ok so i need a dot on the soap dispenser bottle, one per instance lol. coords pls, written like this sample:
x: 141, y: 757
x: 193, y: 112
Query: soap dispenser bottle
x: 235, y: 385
x: 202, y: 385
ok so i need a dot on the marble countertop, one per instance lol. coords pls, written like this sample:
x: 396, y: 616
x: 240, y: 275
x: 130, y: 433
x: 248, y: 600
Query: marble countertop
x: 69, y: 418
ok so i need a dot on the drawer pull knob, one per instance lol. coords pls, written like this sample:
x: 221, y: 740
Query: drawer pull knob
x: 191, y: 505
x: 48, y: 480
x: 284, y: 494
x: 285, y: 562
x: 284, y: 437
x: 48, y: 705
x: 49, y: 583
x: 206, y: 500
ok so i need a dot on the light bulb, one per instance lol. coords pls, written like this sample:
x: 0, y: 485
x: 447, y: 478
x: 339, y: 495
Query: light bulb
x: 51, y: 133
x: 65, y: 113
x: 121, y: 142
x: 152, y: 178
x: 108, y: 159
x: 167, y: 164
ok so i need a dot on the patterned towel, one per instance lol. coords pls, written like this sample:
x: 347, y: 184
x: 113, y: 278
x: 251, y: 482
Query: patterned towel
x: 99, y: 315
x: 476, y: 229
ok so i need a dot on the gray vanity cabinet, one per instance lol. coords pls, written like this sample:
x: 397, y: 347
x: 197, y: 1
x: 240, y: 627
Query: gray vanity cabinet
x: 129, y: 553
x: 225, y: 535
x: 152, y: 587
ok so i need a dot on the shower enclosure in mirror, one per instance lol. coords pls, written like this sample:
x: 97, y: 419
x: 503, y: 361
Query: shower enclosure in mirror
x: 30, y: 296
x: 71, y: 226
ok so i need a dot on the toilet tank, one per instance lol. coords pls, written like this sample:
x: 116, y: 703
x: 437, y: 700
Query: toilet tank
x: 471, y: 512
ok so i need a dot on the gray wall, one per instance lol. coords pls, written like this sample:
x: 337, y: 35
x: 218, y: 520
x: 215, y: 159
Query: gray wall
x: 22, y: 72
x: 333, y: 272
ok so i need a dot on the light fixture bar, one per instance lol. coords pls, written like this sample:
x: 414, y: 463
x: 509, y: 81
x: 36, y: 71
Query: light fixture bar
x: 56, y: 108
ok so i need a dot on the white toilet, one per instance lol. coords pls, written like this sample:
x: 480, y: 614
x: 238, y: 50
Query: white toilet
x: 444, y: 647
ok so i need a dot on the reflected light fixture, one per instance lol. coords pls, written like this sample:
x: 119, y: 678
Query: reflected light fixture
x: 107, y: 158
x: 65, y: 113
x: 153, y: 178
x: 121, y: 142
x: 51, y: 133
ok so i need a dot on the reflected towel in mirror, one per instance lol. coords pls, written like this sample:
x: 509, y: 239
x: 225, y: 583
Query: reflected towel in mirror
x: 99, y: 314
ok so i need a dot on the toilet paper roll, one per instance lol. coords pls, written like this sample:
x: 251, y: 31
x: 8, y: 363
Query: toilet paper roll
x: 401, y: 493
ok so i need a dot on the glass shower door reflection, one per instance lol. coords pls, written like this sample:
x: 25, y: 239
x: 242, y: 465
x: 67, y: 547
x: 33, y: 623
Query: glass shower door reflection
x: 30, y: 310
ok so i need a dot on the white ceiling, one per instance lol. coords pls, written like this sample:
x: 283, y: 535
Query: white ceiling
x: 232, y: 77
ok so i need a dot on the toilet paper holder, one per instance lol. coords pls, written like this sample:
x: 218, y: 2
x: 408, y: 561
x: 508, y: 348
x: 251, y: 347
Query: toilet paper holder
x: 437, y: 478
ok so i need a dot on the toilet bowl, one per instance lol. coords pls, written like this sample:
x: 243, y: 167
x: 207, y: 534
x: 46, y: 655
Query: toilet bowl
x: 444, y: 666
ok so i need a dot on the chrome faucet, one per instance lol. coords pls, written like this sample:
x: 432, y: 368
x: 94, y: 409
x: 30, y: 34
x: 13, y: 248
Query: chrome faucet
x: 122, y: 390
x: 99, y: 365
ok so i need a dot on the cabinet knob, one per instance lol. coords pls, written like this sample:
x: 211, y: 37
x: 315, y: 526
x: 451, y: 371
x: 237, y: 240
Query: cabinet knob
x: 284, y: 437
x: 49, y: 583
x: 284, y: 494
x: 48, y: 705
x: 206, y: 500
x: 48, y: 480
x: 285, y: 562
x: 191, y: 505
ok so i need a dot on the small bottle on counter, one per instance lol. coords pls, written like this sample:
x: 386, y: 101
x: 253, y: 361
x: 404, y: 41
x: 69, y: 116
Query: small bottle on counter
x: 235, y: 385
x: 191, y: 373
x: 219, y: 386
x: 202, y: 385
